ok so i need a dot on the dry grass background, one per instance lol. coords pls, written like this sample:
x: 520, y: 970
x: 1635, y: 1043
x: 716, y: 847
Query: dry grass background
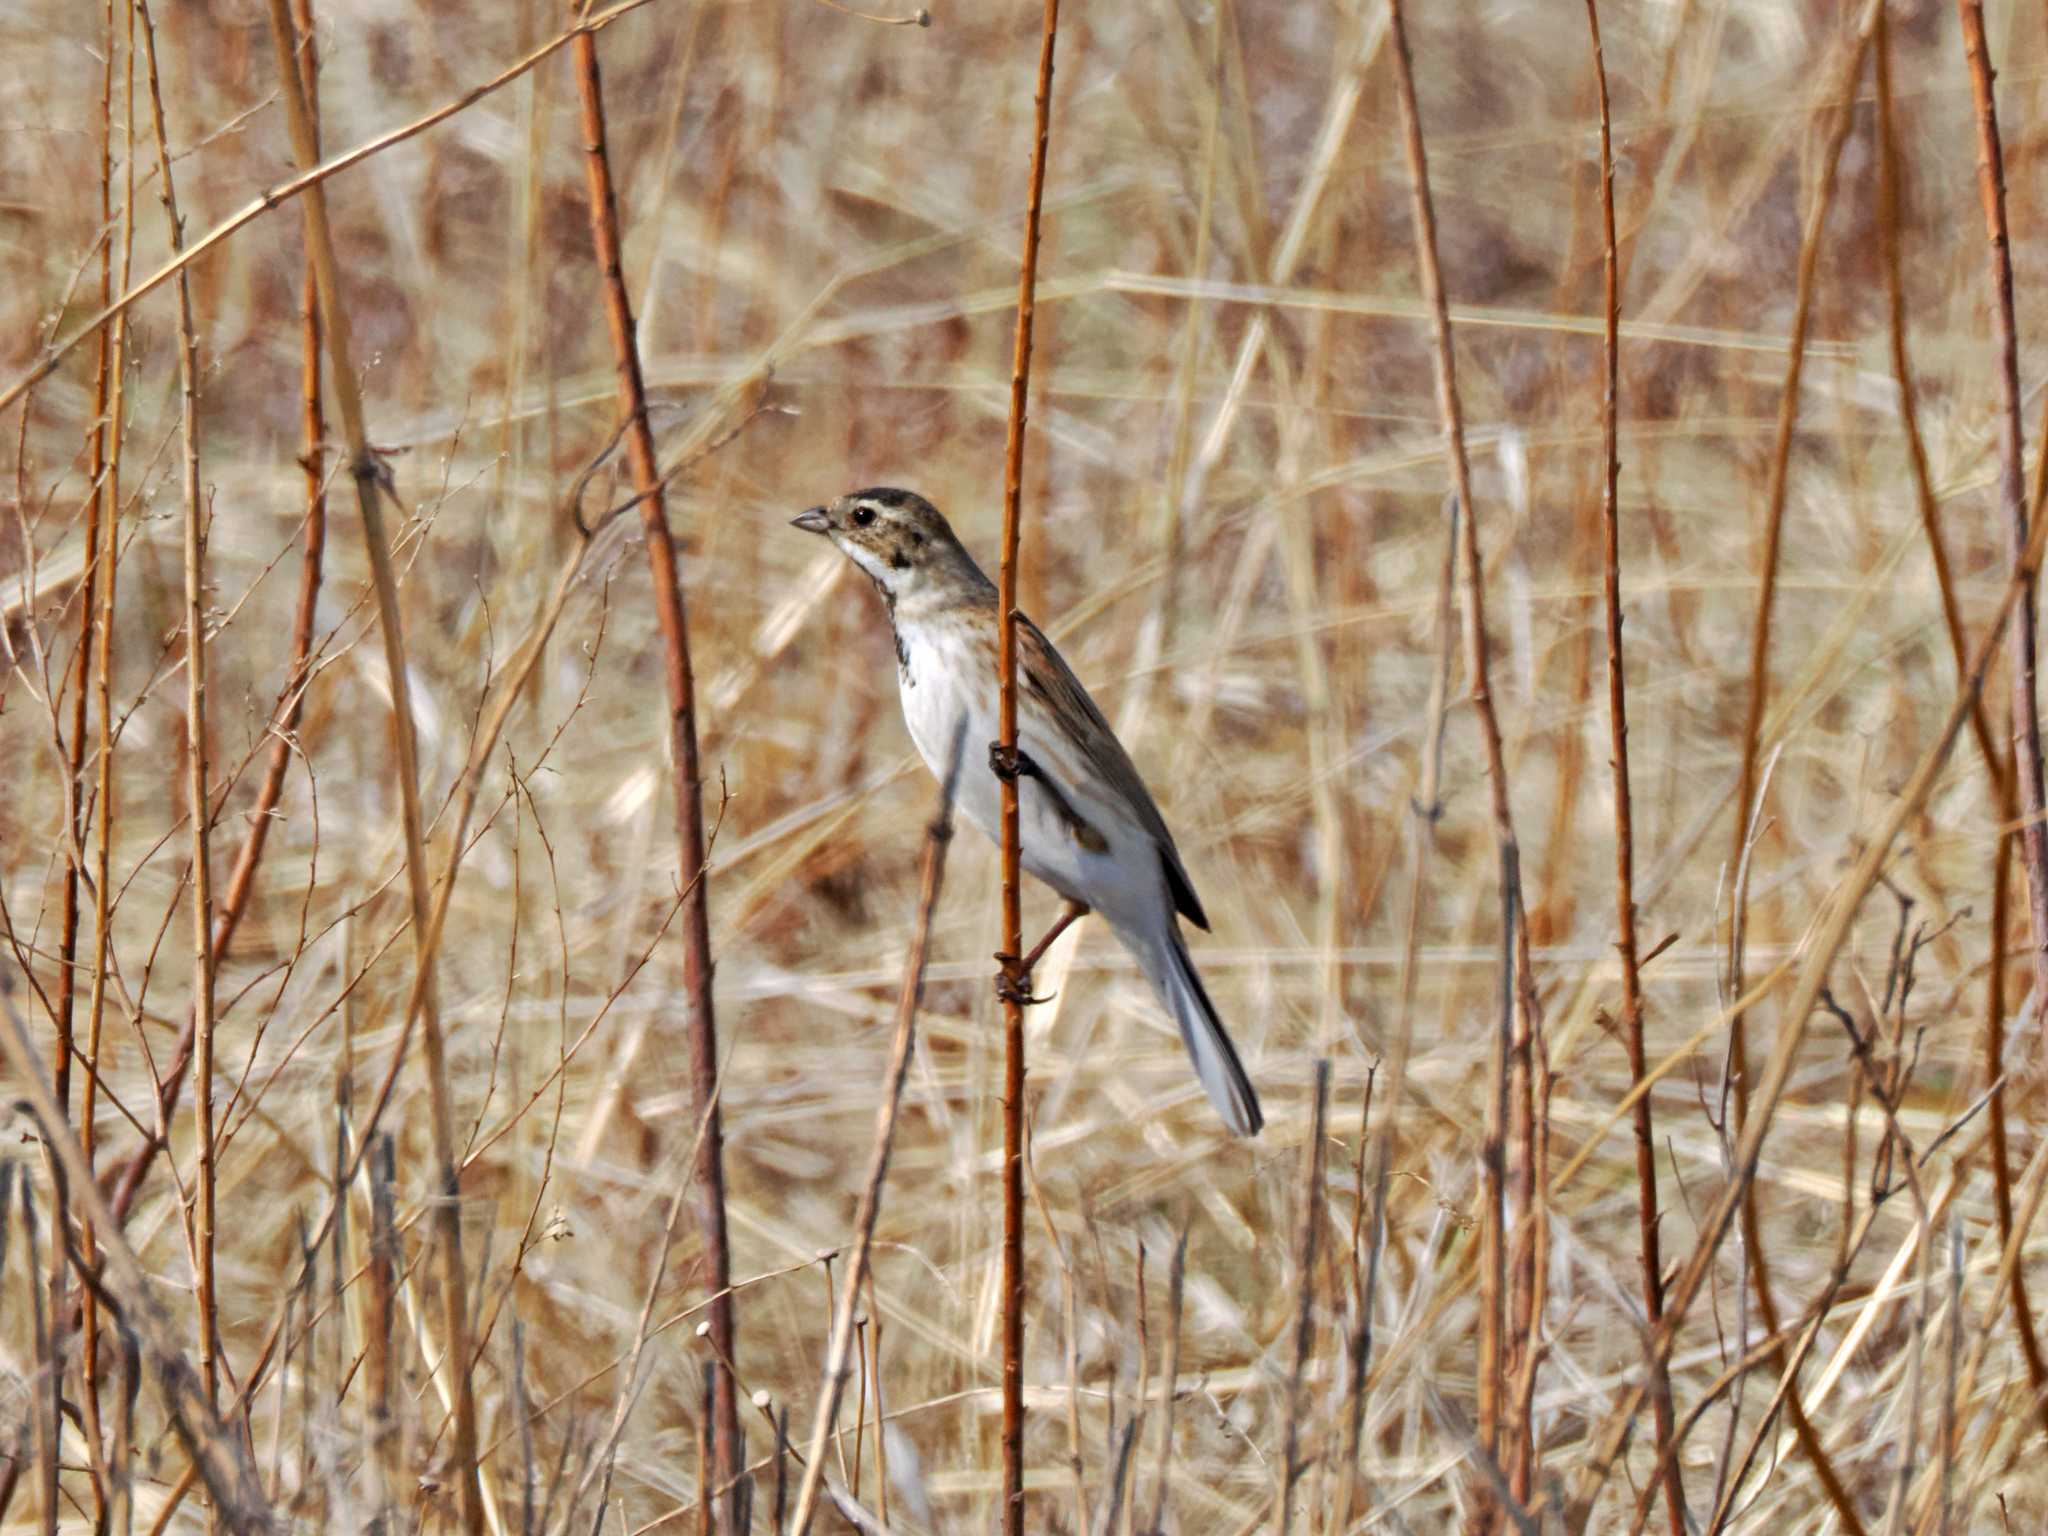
x: 1234, y: 529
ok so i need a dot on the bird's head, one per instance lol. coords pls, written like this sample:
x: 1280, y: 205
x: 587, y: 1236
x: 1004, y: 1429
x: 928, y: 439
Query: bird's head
x: 903, y: 543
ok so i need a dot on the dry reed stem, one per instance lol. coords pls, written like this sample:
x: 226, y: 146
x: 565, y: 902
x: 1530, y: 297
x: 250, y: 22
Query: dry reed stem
x: 1830, y: 932
x: 602, y: 1464
x: 1506, y: 1321
x: 1747, y: 793
x: 1071, y: 1342
x: 97, y: 505
x: 198, y: 789
x: 931, y: 878
x: 215, y: 1447
x: 103, y: 507
x: 1169, y: 1376
x: 106, y: 562
x: 1996, y: 763
x: 2026, y: 715
x: 728, y: 1448
x: 1424, y: 810
x: 1624, y: 816
x: 1307, y: 1240
x: 1014, y: 984
x: 368, y: 475
x: 308, y: 179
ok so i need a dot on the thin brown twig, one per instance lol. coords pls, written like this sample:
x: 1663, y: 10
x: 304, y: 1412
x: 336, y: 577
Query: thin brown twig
x: 1505, y: 1326
x: 305, y: 181
x: 103, y: 505
x: 1169, y: 1376
x: 1624, y: 820
x: 1831, y: 931
x: 2012, y: 498
x: 1014, y: 985
x: 931, y: 877
x: 369, y: 476
x: 1424, y: 811
x: 1746, y: 793
x: 215, y: 1448
x: 198, y: 789
x: 106, y: 564
x: 1997, y: 762
x: 1072, y: 1344
x: 728, y: 1448
x: 1306, y: 1242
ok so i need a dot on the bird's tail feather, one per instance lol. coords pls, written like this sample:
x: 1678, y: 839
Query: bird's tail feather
x: 1174, y: 978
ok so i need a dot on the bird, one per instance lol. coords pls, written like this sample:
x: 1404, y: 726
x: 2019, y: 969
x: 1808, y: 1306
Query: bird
x: 1089, y: 827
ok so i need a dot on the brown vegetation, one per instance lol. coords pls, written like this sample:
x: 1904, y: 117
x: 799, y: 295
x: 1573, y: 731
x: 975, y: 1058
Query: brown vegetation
x: 1648, y: 1146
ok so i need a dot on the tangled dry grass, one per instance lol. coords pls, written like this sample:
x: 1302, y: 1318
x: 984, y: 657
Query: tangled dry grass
x: 1235, y: 528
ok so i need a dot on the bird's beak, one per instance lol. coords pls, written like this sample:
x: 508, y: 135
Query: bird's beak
x: 813, y: 521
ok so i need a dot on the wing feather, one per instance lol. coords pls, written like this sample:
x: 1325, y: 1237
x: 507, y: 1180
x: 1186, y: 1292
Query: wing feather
x: 1045, y: 672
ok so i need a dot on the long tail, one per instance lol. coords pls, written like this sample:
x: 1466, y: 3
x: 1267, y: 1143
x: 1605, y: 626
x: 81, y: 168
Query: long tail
x: 1165, y: 960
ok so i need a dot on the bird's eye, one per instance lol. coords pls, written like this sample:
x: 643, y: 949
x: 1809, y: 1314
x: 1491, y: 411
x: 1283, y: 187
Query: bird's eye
x: 862, y: 516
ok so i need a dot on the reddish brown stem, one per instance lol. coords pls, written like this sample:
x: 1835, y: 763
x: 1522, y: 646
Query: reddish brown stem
x: 198, y: 789
x: 1759, y: 694
x: 284, y: 718
x: 1506, y: 1322
x: 2026, y: 717
x: 1997, y: 763
x: 1017, y: 983
x: 1624, y: 822
x: 728, y: 1450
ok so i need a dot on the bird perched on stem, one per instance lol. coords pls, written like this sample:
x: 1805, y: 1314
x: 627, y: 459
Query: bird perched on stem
x: 1089, y: 827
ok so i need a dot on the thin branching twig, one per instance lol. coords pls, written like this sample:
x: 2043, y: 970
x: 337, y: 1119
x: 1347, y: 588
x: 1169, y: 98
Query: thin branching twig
x: 930, y: 879
x: 1747, y: 805
x: 1624, y: 819
x: 198, y: 786
x: 728, y: 1447
x: 2012, y: 496
x: 1506, y: 1321
x: 370, y: 476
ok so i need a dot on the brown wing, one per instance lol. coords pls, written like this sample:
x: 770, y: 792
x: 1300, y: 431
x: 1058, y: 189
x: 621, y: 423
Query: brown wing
x: 1044, y: 673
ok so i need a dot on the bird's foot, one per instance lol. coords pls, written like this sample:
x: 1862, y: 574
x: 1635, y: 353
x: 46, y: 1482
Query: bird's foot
x: 1013, y: 982
x: 1011, y: 763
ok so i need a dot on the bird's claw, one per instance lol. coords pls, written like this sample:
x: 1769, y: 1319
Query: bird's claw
x: 1010, y: 763
x: 1013, y: 984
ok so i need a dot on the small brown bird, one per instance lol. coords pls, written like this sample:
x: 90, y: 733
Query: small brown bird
x: 1089, y: 828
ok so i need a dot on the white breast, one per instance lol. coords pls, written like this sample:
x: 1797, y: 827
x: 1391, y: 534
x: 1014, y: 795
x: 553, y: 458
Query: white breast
x: 949, y: 694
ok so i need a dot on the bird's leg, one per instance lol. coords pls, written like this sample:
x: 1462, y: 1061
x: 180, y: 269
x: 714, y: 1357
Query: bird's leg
x: 1013, y: 982
x: 1070, y: 914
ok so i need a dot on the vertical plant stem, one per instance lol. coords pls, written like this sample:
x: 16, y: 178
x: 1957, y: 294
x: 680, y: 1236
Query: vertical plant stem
x: 1759, y: 692
x: 937, y: 836
x: 216, y: 1449
x: 728, y: 1451
x: 1015, y: 983
x: 312, y: 461
x: 1512, y: 1114
x: 1997, y: 762
x: 369, y: 476
x: 198, y: 790
x: 1830, y: 932
x: 1624, y: 822
x: 105, y: 563
x: 1305, y: 1246
x: 2026, y: 716
x: 101, y: 507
